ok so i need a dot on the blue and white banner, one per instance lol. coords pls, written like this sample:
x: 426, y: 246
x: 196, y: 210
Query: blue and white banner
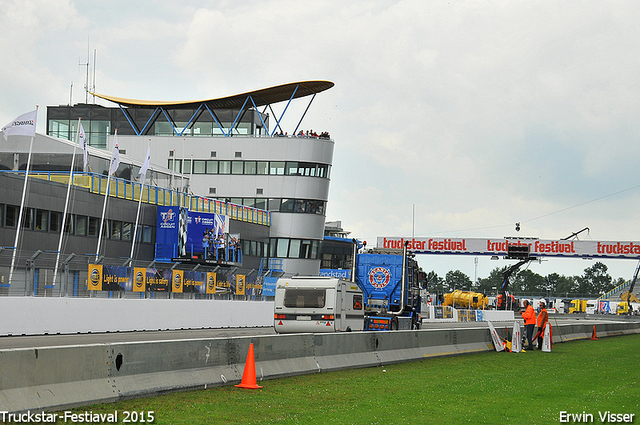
x: 198, y: 225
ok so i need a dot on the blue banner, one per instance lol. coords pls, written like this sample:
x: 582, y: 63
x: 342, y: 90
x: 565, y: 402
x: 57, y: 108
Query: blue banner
x: 205, y: 232
x: 339, y: 273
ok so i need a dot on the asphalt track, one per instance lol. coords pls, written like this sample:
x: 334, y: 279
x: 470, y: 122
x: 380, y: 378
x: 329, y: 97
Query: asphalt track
x: 59, y: 340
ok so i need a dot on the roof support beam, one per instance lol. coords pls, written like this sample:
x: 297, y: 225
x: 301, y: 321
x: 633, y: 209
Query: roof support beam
x: 215, y: 118
x: 128, y: 117
x: 260, y: 115
x: 170, y: 121
x: 238, y: 116
x: 285, y: 109
x: 191, y: 119
x: 150, y: 121
x: 305, y: 113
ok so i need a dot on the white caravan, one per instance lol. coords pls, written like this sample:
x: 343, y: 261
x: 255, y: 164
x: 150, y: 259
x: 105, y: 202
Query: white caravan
x: 317, y: 304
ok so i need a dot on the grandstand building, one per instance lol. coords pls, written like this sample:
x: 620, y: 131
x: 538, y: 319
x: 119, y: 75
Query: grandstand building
x: 217, y: 156
x: 226, y: 149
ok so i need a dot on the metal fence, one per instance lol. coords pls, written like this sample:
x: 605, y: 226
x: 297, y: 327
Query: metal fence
x: 33, y: 275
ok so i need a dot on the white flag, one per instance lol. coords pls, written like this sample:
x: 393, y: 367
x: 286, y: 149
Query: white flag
x: 82, y: 139
x: 115, y: 161
x: 145, y: 166
x: 24, y: 125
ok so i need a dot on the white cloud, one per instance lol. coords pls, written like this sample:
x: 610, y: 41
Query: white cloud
x: 479, y: 114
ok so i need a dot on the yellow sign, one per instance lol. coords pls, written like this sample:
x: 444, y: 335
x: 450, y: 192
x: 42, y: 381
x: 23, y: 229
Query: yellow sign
x: 211, y: 283
x: 176, y: 281
x: 94, y: 281
x: 139, y: 279
x: 240, y: 283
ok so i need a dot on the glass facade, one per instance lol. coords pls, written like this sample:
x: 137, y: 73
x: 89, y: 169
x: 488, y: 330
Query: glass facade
x: 273, y: 168
x: 99, y: 122
x: 42, y: 220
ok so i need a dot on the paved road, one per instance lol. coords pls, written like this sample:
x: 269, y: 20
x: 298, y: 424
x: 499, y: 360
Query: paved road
x: 40, y: 341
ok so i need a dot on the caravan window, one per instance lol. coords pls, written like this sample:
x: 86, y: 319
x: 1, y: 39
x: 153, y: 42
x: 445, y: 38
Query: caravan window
x: 304, y: 298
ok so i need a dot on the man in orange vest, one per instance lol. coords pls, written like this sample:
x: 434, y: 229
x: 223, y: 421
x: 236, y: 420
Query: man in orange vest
x: 529, y: 317
x: 543, y: 318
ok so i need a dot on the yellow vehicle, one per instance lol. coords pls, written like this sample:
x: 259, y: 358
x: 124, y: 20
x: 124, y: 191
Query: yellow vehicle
x: 466, y: 299
x: 578, y: 306
x: 625, y: 307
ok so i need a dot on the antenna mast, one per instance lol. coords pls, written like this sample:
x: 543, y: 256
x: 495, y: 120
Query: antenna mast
x: 93, y: 88
x: 86, y: 80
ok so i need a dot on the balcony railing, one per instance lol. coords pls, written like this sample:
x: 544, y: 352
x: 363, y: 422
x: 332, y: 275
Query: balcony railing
x: 125, y: 189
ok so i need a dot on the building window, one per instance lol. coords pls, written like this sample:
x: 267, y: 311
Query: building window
x: 147, y: 234
x: 212, y: 191
x: 287, y: 205
x: 262, y: 167
x: 126, y: 231
x: 238, y: 154
x: 250, y: 167
x: 292, y: 168
x: 81, y: 225
x: 213, y: 154
x: 294, y: 248
x: 98, y: 133
x: 55, y: 221
x: 276, y: 168
x: 199, y: 166
x: 237, y: 167
x: 69, y: 224
x: 187, y: 166
x: 175, y: 165
x: 282, y: 248
x: 59, y: 128
x: 116, y: 230
x: 11, y: 215
x: 212, y: 167
x: 94, y: 223
x: 27, y: 218
x: 224, y: 167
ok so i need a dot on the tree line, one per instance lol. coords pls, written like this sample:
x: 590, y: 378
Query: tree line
x: 594, y: 282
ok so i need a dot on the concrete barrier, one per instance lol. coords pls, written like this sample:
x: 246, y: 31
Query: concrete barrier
x: 57, y: 378
x: 38, y: 316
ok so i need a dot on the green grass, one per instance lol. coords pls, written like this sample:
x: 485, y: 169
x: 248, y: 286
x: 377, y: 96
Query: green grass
x: 489, y: 388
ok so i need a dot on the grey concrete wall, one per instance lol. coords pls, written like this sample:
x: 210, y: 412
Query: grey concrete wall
x: 56, y: 378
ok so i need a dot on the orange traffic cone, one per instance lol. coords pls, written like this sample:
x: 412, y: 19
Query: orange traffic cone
x: 593, y: 335
x: 249, y: 374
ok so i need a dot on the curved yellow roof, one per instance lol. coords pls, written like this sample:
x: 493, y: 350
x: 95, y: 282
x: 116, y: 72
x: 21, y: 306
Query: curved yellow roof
x: 261, y: 97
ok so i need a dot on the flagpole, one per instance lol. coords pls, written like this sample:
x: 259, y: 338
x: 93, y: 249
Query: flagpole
x: 191, y: 174
x: 144, y: 177
x: 106, y: 196
x: 66, y: 205
x: 24, y: 191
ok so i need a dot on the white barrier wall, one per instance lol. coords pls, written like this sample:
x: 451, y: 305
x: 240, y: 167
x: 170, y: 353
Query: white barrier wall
x: 37, y: 316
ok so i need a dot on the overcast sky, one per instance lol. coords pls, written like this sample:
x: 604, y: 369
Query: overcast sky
x: 477, y: 114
